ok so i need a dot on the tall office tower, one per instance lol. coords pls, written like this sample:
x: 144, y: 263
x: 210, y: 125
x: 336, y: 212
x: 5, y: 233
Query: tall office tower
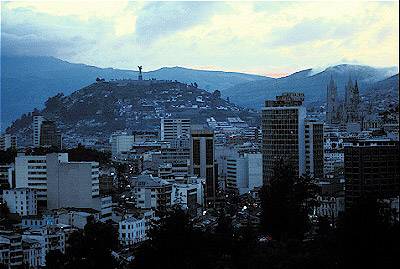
x: 37, y: 123
x: 8, y: 141
x: 49, y: 136
x: 283, y: 133
x: 202, y: 161
x: 172, y: 129
x: 332, y: 104
x: 351, y: 103
x: 72, y: 184
x: 372, y: 170
x: 31, y: 172
x: 314, y: 148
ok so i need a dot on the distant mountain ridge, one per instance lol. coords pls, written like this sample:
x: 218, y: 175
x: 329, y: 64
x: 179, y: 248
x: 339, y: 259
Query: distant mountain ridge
x: 312, y: 85
x: 27, y: 82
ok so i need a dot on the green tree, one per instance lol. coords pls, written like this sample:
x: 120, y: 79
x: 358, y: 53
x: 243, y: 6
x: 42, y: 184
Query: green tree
x: 285, y: 203
x: 91, y: 248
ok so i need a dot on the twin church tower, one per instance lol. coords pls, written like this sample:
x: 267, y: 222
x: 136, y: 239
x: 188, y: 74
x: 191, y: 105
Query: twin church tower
x: 350, y: 111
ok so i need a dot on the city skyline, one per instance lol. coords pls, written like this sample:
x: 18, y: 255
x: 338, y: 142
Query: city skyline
x: 267, y: 38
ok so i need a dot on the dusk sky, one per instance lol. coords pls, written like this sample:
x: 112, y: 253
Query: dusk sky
x: 267, y: 38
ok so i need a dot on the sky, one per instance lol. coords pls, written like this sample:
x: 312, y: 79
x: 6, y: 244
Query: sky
x: 265, y: 38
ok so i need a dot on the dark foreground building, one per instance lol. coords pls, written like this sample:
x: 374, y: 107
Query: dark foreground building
x: 371, y: 170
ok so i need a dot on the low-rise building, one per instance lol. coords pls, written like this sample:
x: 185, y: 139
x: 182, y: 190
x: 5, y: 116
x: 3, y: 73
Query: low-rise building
x: 11, y: 254
x: 134, y: 227
x: 22, y: 201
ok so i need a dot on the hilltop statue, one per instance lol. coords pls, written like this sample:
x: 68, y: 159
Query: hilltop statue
x: 140, y: 73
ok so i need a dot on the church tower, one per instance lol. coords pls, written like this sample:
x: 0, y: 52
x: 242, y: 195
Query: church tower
x: 332, y: 103
x: 351, y: 102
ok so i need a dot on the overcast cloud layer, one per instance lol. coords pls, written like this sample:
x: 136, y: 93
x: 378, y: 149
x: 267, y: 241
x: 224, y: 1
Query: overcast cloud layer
x: 270, y: 38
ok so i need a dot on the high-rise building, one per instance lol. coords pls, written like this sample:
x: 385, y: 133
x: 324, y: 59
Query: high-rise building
x: 372, y: 170
x: 8, y: 141
x: 202, y: 161
x: 175, y: 129
x: 49, y: 136
x: 71, y: 184
x: 314, y: 148
x: 37, y: 123
x: 332, y: 104
x: 283, y: 132
x: 31, y: 172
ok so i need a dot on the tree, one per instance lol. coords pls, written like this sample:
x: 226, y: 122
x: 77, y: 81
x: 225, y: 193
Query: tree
x: 91, y: 248
x: 173, y: 243
x: 285, y: 203
x: 55, y: 259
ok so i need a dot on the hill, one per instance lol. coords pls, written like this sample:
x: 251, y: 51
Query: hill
x: 103, y: 107
x: 27, y: 82
x: 312, y: 85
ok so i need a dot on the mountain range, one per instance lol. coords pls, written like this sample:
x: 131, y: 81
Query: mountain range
x: 27, y: 82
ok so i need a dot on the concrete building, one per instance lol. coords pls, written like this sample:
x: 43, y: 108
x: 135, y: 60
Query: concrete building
x: 8, y: 141
x: 202, y: 162
x: 37, y: 123
x: 151, y: 192
x: 133, y: 228
x: 77, y: 218
x: 189, y: 195
x: 244, y: 173
x: 175, y: 128
x: 22, y: 201
x: 38, y: 221
x: 49, y: 238
x: 372, y: 170
x: 49, y: 136
x: 6, y: 177
x: 71, y: 184
x: 283, y: 133
x: 314, y: 148
x: 31, y: 250
x: 121, y: 141
x: 11, y: 254
x: 31, y: 172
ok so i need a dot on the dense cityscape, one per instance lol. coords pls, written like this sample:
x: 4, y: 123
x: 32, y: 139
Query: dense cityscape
x: 290, y: 182
x: 255, y: 134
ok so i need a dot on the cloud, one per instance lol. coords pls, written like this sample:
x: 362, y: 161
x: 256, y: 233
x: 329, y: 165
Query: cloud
x: 231, y: 36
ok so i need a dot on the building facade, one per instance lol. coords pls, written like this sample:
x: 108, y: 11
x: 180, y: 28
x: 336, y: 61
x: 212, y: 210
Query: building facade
x: 22, y: 201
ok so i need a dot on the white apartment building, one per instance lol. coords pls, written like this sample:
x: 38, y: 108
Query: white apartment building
x: 133, y: 229
x: 11, y: 254
x: 49, y: 238
x: 121, y: 142
x: 37, y: 123
x: 151, y: 192
x: 22, y: 201
x: 6, y: 176
x: 8, y: 141
x: 31, y: 172
x: 244, y: 173
x: 189, y: 196
x: 175, y: 128
x: 31, y: 251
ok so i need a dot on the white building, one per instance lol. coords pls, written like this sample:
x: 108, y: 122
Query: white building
x: 175, y: 128
x: 8, y: 141
x: 133, y: 229
x: 121, y: 142
x: 22, y: 201
x: 189, y: 195
x: 6, y: 176
x: 37, y: 123
x: 49, y: 238
x: 72, y: 184
x: 11, y: 254
x: 244, y: 173
x: 31, y: 250
x: 151, y: 192
x: 30, y: 172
